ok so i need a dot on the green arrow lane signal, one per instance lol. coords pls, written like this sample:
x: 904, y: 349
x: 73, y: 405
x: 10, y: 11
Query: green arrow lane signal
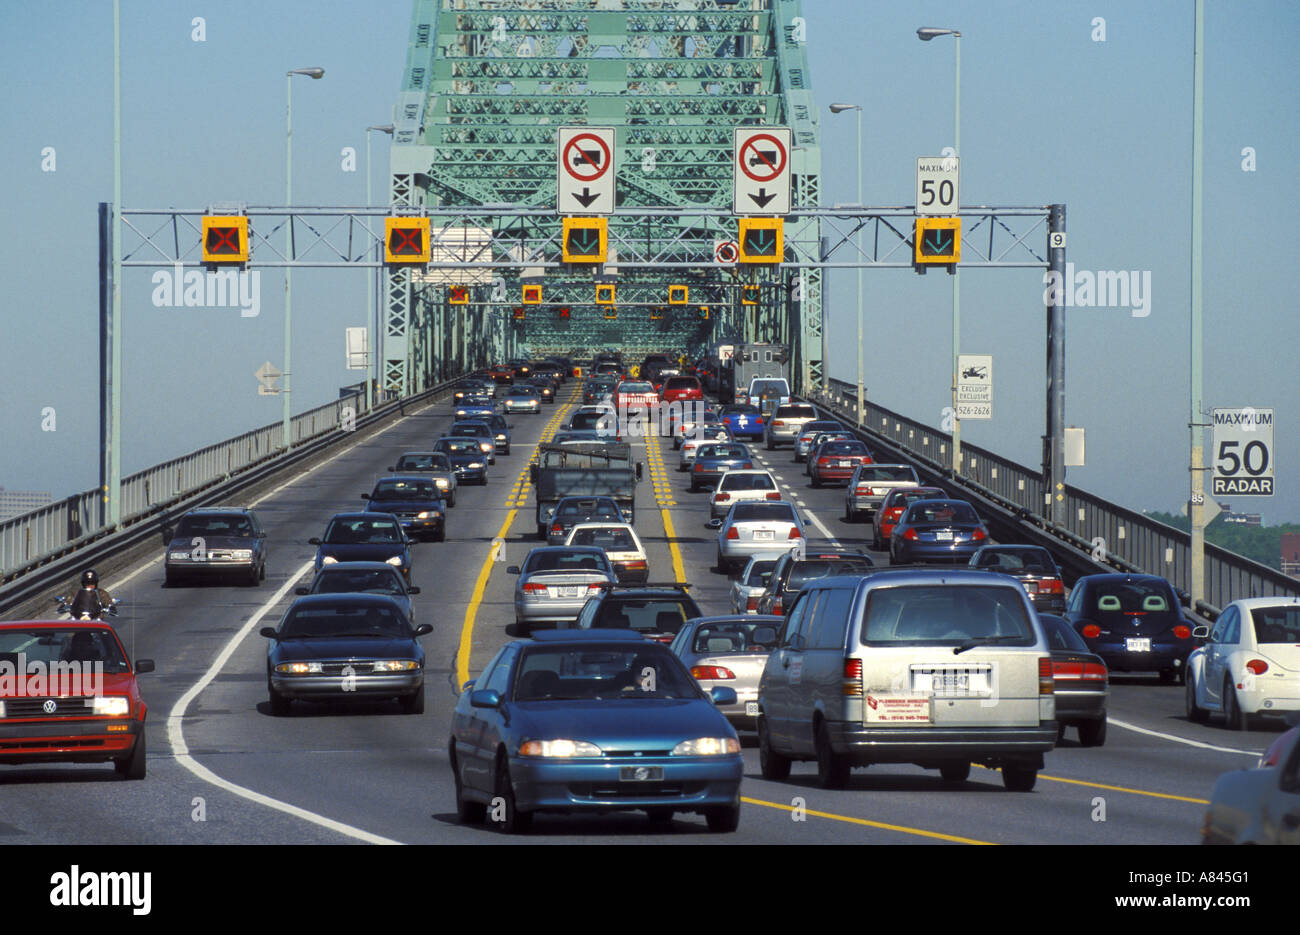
x: 761, y: 240
x: 585, y: 240
x: 937, y: 241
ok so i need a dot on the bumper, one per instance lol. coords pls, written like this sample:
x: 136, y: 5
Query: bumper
x: 936, y: 552
x: 1048, y: 603
x: 627, y: 575
x: 865, y: 504
x: 1075, y: 706
x: 548, y: 611
x: 217, y: 568
x: 1280, y: 699
x: 68, y: 741
x: 317, y: 687
x: 1161, y: 656
x: 464, y: 474
x: 977, y: 744
x: 736, y: 551
x: 688, y: 783
x: 423, y: 527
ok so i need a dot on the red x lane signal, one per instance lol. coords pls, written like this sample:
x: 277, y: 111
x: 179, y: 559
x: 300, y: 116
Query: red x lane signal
x: 225, y: 239
x: 406, y: 240
x: 458, y: 295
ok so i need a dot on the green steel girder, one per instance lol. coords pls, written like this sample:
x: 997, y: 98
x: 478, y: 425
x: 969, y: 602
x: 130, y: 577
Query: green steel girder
x: 488, y: 83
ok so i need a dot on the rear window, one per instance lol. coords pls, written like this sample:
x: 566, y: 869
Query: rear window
x: 774, y: 387
x: 1061, y: 636
x: 636, y: 388
x: 565, y: 561
x: 1277, y: 624
x: 682, y: 383
x: 1131, y: 598
x: 762, y: 512
x: 609, y: 538
x: 747, y: 482
x: 759, y: 573
x: 843, y: 448
x: 797, y: 411
x: 941, y: 513
x: 921, y: 615
x: 663, y: 615
x: 735, y: 638
x: 722, y: 451
x: 1033, y: 561
x: 803, y: 572
x: 881, y: 474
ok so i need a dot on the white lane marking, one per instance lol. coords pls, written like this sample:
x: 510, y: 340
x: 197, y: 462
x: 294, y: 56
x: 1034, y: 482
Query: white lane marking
x: 1176, y: 739
x: 154, y: 561
x: 176, y: 737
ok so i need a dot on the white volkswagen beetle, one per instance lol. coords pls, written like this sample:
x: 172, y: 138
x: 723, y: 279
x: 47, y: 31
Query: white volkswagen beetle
x: 1250, y: 664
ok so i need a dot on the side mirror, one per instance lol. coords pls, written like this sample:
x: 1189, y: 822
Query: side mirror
x: 414, y: 589
x: 268, y: 632
x: 365, y: 496
x: 301, y: 591
x: 1201, y: 633
x: 714, y: 524
x: 424, y: 629
x: 723, y: 695
x: 168, y: 533
x: 512, y: 570
x: 485, y: 698
x: 313, y: 541
x: 143, y: 665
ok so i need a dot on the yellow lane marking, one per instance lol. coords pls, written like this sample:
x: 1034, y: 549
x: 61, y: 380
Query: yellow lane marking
x: 1102, y: 785
x: 679, y: 569
x: 480, y: 586
x: 921, y: 832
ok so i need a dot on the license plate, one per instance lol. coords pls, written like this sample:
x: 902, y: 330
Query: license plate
x: 949, y: 682
x: 1136, y: 645
x: 944, y: 536
x: 751, y: 709
x: 640, y: 774
x: 763, y: 534
x: 572, y: 592
x: 845, y: 463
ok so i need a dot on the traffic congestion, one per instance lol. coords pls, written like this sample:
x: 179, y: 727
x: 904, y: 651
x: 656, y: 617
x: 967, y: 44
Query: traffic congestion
x: 556, y: 601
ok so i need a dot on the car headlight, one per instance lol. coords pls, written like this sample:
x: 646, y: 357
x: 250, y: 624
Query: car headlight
x: 114, y: 705
x: 443, y: 482
x: 395, y: 665
x: 299, y: 668
x: 559, y: 748
x: 328, y: 560
x: 484, y: 446
x: 182, y: 556
x: 395, y: 560
x: 707, y: 746
x: 475, y: 465
x: 427, y: 514
x: 244, y: 554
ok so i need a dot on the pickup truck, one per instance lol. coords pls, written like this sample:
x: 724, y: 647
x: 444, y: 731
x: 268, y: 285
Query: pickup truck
x: 596, y: 469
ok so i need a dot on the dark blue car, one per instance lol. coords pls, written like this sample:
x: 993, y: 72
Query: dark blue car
x: 364, y: 537
x: 717, y: 458
x: 1133, y: 622
x: 937, y: 531
x: 744, y: 420
x: 592, y: 721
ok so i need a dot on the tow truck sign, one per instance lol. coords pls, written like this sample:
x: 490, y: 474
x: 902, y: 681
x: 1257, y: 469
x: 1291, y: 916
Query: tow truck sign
x: 1243, y: 452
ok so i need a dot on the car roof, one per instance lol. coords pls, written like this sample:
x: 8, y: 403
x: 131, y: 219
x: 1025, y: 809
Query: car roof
x: 361, y: 514
x: 590, y: 636
x: 1277, y: 600
x: 214, y: 510
x: 736, y: 618
x: 410, y: 478
x: 352, y: 599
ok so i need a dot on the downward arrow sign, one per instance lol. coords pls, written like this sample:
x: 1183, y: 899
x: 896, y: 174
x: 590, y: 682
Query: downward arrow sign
x: 586, y: 198
x: 762, y: 198
x: 940, y: 242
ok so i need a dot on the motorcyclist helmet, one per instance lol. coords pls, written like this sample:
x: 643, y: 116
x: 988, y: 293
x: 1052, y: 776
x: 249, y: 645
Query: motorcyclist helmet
x: 89, y: 579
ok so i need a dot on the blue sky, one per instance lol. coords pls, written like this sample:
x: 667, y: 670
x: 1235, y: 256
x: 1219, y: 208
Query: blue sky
x: 1048, y: 115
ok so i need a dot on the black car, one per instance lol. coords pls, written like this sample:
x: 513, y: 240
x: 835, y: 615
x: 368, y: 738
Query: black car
x: 364, y: 537
x: 1031, y: 565
x: 466, y: 456
x: 792, y: 572
x: 343, y: 647
x: 1082, y: 682
x: 657, y: 611
x: 363, y: 578
x: 221, y: 541
x: 479, y: 429
x: 1133, y: 622
x: 415, y: 501
x: 571, y: 511
x: 500, y: 431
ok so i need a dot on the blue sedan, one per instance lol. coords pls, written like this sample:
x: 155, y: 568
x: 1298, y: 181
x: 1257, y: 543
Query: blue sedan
x: 744, y: 420
x: 717, y: 458
x: 592, y: 721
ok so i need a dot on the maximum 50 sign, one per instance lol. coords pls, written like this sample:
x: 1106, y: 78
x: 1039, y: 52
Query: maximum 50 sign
x: 1243, y: 452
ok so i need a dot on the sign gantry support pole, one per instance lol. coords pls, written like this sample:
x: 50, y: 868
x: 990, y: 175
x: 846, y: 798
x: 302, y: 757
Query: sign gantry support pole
x: 1054, y: 441
x: 1196, y: 508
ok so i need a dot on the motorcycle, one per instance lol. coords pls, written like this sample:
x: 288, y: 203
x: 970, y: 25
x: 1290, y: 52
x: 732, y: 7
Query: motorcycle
x: 86, y: 608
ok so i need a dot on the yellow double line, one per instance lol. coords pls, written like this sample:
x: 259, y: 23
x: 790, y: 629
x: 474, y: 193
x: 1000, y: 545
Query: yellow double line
x: 515, y: 499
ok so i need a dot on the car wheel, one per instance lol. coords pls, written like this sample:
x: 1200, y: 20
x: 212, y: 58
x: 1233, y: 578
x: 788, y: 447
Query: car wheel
x: 695, y: 488
x: 659, y: 816
x: 771, y: 764
x: 133, y: 767
x: 452, y: 500
x: 514, y: 821
x: 483, y: 482
x: 280, y: 705
x: 414, y: 704
x: 1093, y: 733
x: 1195, y: 712
x: 469, y: 813
x: 832, y: 768
x: 1019, y: 778
x: 770, y: 446
x: 723, y: 819
x: 876, y: 544
x: 254, y: 577
x: 1236, y: 718
x: 814, y: 482
x: 955, y: 772
x: 1168, y: 676
x: 441, y: 536
x: 722, y: 563
x: 507, y: 449
x: 848, y: 513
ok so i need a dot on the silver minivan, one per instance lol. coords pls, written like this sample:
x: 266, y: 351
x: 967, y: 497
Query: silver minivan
x: 937, y: 668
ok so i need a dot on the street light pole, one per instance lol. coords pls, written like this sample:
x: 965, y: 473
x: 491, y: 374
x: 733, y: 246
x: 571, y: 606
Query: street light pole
x: 835, y: 109
x: 288, y: 270
x: 1196, y: 509
x: 372, y: 375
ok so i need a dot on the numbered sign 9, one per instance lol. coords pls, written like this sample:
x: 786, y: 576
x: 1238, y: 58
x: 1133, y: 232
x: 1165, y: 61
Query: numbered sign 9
x: 1243, y: 452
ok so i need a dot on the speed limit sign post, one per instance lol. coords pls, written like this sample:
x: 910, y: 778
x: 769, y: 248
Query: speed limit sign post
x: 1243, y: 452
x: 937, y: 180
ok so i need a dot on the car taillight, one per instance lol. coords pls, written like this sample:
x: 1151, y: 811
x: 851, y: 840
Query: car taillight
x: 747, y: 466
x: 1067, y: 670
x: 732, y: 533
x: 635, y: 563
x: 852, y: 677
x: 1092, y: 631
x: 795, y: 533
x: 751, y: 603
x: 866, y: 459
x: 862, y: 491
x: 711, y: 672
x: 823, y: 460
x: 1182, y: 632
x: 776, y: 422
x: 721, y: 497
x: 778, y: 608
x: 1046, y: 686
x: 1095, y: 671
x: 595, y: 585
x: 557, y: 528
x: 773, y: 495
x: 531, y: 588
x: 1050, y: 586
x: 979, y: 534
x: 699, y: 466
x: 894, y: 512
x: 909, y: 533
x: 1258, y: 666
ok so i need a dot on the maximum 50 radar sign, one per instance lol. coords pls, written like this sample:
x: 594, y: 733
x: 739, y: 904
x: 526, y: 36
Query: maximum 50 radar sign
x: 1243, y: 452
x: 937, y: 180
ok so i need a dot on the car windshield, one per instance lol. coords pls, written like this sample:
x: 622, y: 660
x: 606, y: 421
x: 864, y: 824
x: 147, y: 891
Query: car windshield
x: 1130, y: 598
x: 918, y: 615
x: 1279, y: 624
x: 459, y: 446
x: 349, y: 581
x: 429, y: 462
x: 362, y: 532
x: 636, y: 388
x: 802, y: 572
x: 759, y: 387
x: 945, y: 512
x: 722, y: 451
x: 609, y: 538
x: 601, y: 672
x: 588, y: 420
x: 345, y: 620
x: 747, y: 482
x: 715, y: 638
x: 389, y: 490
x: 527, y: 391
x: 211, y: 526
x: 762, y: 512
x: 53, y: 646
x: 474, y: 429
x: 647, y: 614
x: 565, y: 561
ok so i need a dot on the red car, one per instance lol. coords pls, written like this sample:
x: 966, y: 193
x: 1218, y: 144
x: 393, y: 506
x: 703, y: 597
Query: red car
x: 631, y: 394
x: 68, y: 694
x: 502, y: 375
x: 837, y: 460
x: 678, y: 389
x: 892, y: 509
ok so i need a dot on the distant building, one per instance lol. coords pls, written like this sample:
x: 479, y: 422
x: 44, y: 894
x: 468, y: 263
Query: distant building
x: 17, y: 502
x: 1244, y: 519
x: 1291, y: 553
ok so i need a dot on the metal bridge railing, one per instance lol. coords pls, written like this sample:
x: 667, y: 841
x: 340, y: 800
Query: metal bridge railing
x: 32, y: 538
x: 1118, y: 536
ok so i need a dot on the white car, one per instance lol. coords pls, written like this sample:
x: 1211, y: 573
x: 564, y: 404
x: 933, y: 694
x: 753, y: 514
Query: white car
x: 749, y: 587
x: 742, y: 486
x: 1250, y: 665
x: 622, y: 547
x: 753, y: 529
